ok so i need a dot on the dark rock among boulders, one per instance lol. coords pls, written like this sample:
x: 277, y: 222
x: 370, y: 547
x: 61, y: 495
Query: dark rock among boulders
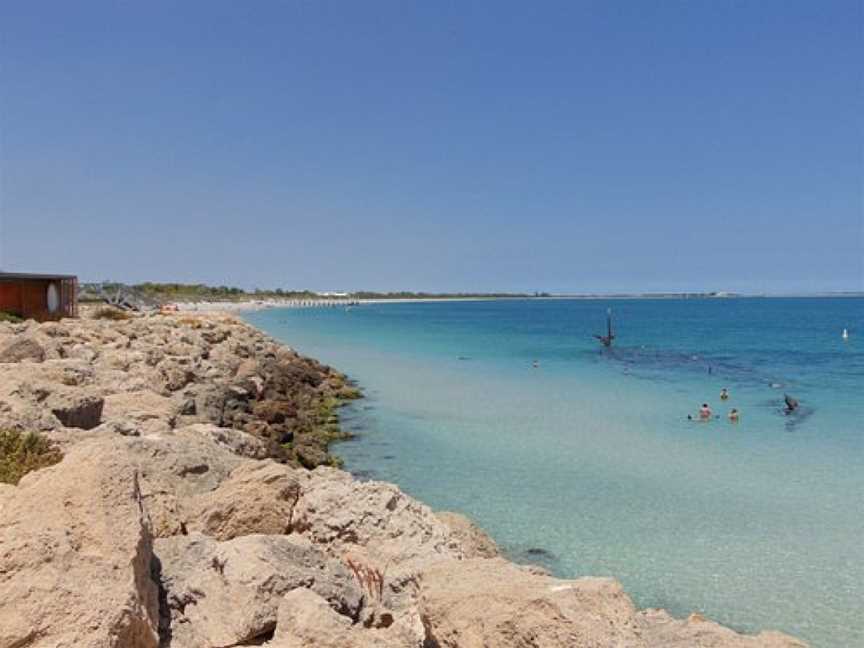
x: 77, y: 409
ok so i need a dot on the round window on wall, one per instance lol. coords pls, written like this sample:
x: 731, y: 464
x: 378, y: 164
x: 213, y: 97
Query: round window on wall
x: 53, y: 298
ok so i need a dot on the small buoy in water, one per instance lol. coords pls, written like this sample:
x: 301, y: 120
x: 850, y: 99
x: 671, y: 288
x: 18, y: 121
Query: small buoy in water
x: 845, y: 335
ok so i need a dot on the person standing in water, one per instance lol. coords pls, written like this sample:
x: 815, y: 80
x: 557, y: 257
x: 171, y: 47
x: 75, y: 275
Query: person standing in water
x: 733, y: 415
x: 724, y: 394
x: 705, y: 412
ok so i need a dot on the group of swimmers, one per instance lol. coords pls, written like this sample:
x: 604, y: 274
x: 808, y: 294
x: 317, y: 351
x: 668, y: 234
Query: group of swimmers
x: 705, y: 414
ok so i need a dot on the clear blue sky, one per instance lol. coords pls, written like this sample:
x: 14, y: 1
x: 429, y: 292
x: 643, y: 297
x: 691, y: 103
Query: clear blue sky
x: 561, y: 146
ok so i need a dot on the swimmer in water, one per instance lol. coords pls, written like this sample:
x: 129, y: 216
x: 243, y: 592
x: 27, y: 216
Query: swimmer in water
x: 705, y: 412
x: 724, y: 394
x: 535, y: 364
x: 791, y: 404
x: 733, y: 416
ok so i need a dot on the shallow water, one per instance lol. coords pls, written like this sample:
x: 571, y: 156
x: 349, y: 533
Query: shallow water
x: 588, y: 464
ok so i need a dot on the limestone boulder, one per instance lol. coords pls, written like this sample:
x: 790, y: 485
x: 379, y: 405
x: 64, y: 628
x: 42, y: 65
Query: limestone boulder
x: 137, y: 379
x: 659, y: 628
x: 54, y: 329
x: 490, y: 602
x: 345, y: 515
x: 140, y: 406
x: 122, y: 359
x: 310, y: 452
x: 388, y: 537
x: 22, y: 401
x: 228, y: 593
x: 76, y: 408
x: 246, y: 369
x: 257, y: 497
x: 235, y: 441
x: 213, y: 335
x: 174, y: 375
x: 7, y: 492
x: 212, y: 401
x: 271, y: 411
x: 69, y: 372
x: 21, y: 349
x: 175, y: 468
x: 306, y: 619
x: 75, y: 553
x: 474, y: 541
x: 82, y: 351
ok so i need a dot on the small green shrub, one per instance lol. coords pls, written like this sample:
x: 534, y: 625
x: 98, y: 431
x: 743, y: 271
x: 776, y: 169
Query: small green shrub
x: 9, y: 317
x: 110, y: 313
x: 22, y: 452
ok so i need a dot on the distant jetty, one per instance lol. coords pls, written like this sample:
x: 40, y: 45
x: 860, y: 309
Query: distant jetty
x: 260, y: 304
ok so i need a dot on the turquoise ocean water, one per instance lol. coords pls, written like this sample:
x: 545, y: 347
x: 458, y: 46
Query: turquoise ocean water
x: 588, y: 464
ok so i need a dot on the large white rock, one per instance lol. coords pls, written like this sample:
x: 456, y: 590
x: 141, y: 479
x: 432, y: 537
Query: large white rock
x: 258, y: 497
x: 659, y: 628
x: 175, y: 468
x: 490, y: 602
x: 75, y: 554
x: 226, y: 593
x: 475, y: 542
x: 373, y: 518
x: 21, y: 349
x: 140, y: 406
x: 305, y: 620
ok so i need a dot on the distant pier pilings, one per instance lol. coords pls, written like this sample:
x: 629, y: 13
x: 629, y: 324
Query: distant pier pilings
x: 318, y: 303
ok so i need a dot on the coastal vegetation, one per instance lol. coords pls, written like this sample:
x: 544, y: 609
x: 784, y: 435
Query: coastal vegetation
x: 12, y: 318
x: 110, y: 313
x: 156, y: 293
x: 160, y: 293
x: 23, y: 452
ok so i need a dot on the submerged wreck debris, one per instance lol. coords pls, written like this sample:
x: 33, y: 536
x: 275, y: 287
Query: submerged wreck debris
x: 606, y: 340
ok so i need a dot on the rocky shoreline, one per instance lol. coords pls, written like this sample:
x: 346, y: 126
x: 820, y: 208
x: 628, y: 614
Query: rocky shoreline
x: 196, y: 505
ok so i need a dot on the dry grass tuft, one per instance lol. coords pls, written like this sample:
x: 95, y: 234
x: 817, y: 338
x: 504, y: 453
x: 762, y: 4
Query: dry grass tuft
x: 23, y: 452
x: 370, y: 579
x: 10, y: 317
x: 191, y: 322
x: 110, y: 313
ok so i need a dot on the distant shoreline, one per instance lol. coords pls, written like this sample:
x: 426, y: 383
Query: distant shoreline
x: 262, y: 304
x: 201, y: 297
x: 347, y: 302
